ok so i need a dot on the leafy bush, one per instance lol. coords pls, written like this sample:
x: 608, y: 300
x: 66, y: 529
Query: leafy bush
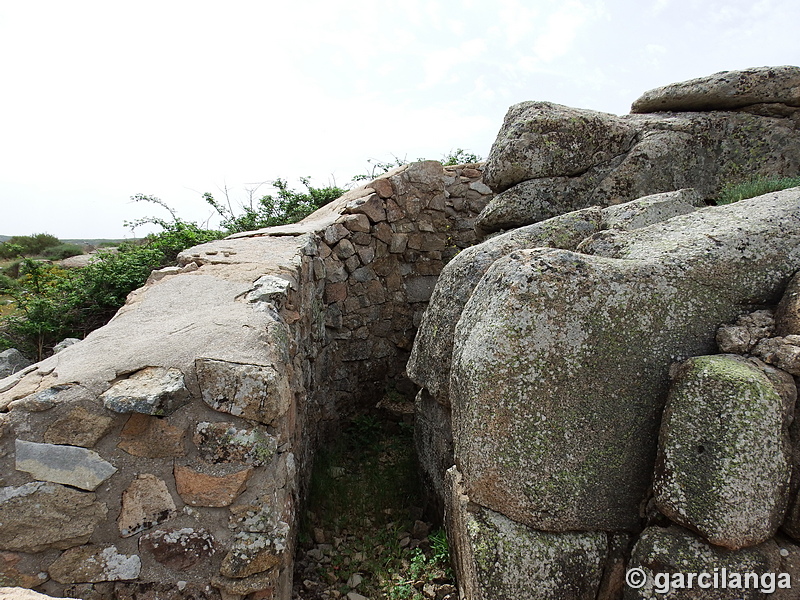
x: 28, y: 245
x: 53, y: 303
x: 755, y: 187
x: 286, y: 206
x: 62, y: 251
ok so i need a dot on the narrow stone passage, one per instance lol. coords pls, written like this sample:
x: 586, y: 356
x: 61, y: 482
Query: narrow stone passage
x: 364, y: 533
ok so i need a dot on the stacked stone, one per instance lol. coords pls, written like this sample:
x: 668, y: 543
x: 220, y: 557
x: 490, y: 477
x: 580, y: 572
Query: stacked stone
x: 166, y: 453
x: 380, y: 261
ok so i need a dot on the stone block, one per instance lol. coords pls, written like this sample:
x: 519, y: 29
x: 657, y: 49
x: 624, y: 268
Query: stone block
x: 151, y: 437
x: 70, y: 465
x: 256, y: 392
x: 150, y: 391
x: 145, y: 503
x: 79, y: 427
x: 210, y: 489
x: 37, y: 516
x: 225, y: 443
x: 93, y: 564
x: 178, y: 549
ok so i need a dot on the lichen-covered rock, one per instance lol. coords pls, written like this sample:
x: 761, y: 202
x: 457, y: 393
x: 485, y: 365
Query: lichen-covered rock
x: 70, y: 465
x: 560, y: 360
x: 542, y: 139
x: 37, y: 516
x: 723, y: 465
x: 537, y: 200
x: 224, y: 442
x: 92, y: 564
x: 704, y: 151
x: 258, y: 393
x: 663, y: 558
x: 150, y: 391
x: 429, y: 365
x: 145, y: 503
x: 178, y: 548
x: 498, y: 559
x: 651, y: 209
x: 725, y: 90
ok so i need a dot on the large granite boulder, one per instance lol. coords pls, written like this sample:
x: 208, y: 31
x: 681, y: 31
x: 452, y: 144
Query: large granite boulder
x: 663, y: 559
x: 534, y: 142
x: 549, y: 159
x: 499, y: 559
x: 724, y: 91
x: 560, y: 360
x: 429, y: 364
x: 724, y: 459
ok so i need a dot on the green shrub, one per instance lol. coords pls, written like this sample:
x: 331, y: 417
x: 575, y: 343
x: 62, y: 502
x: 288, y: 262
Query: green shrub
x: 53, y: 303
x: 62, y: 251
x: 286, y: 206
x: 28, y: 245
x: 755, y: 187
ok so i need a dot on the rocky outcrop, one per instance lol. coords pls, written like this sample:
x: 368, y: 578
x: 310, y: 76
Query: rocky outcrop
x: 549, y: 159
x: 724, y: 458
x: 166, y: 454
x: 725, y: 91
x: 557, y: 350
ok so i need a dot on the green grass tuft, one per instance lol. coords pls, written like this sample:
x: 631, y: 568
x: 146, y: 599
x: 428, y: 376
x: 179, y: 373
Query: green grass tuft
x: 755, y: 187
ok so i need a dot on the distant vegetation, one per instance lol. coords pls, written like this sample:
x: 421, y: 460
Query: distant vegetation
x: 756, y: 187
x: 42, y: 303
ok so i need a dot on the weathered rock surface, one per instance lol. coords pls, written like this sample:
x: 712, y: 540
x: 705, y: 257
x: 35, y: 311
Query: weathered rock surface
x: 651, y: 209
x: 224, y: 442
x: 787, y: 314
x: 36, y: 516
x: 724, y: 459
x: 534, y: 143
x: 151, y: 391
x: 663, y: 553
x: 178, y: 548
x: 210, y: 489
x: 145, y: 503
x: 725, y: 90
x: 92, y: 564
x: 151, y: 437
x: 666, y: 152
x: 429, y: 364
x: 69, y: 465
x: 584, y: 426
x: 498, y: 558
x: 258, y: 393
x: 79, y: 427
x: 748, y: 330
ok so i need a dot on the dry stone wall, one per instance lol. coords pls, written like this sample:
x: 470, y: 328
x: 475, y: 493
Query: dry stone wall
x: 166, y: 455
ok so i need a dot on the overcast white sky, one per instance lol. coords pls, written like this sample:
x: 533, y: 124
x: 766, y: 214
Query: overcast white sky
x: 105, y: 99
